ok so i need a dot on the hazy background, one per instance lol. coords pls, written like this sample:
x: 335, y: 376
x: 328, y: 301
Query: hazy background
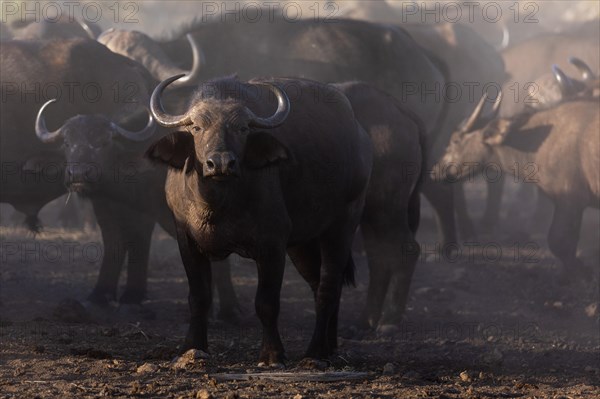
x: 160, y: 18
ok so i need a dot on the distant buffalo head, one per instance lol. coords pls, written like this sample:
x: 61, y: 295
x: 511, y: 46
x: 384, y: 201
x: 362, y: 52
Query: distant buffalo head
x: 471, y: 144
x: 92, y: 146
x: 219, y: 137
x: 556, y: 87
x: 143, y: 49
x: 63, y: 28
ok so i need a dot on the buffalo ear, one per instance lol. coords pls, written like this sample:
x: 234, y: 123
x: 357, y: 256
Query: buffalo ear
x: 495, y: 132
x: 172, y: 149
x: 263, y: 149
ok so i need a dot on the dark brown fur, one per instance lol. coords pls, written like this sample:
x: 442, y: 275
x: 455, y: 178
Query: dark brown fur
x: 298, y: 188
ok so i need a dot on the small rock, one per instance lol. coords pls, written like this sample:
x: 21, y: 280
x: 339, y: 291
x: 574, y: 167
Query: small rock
x: 592, y: 310
x: 389, y: 369
x: 465, y: 377
x: 189, y: 358
x: 147, y: 368
x: 195, y: 354
x: 298, y: 396
x: 232, y: 395
x: 204, y: 394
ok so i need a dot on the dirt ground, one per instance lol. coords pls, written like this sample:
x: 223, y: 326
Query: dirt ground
x: 496, y: 322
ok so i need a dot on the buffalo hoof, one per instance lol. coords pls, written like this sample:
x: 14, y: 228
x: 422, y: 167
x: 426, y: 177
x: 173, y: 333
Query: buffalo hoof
x: 575, y: 272
x: 101, y: 298
x: 387, y: 330
x: 310, y: 363
x: 271, y: 359
x: 132, y: 297
x: 273, y: 366
x: 230, y: 316
x: 133, y: 311
x: 467, y: 233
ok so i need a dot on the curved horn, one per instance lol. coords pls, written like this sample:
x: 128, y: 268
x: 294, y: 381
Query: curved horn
x: 156, y: 108
x: 84, y: 25
x: 566, y: 86
x: 283, y: 109
x: 40, y: 126
x: 496, y: 107
x: 142, y: 135
x: 106, y: 32
x: 470, y: 122
x: 586, y: 72
x: 505, y: 38
x: 198, y: 61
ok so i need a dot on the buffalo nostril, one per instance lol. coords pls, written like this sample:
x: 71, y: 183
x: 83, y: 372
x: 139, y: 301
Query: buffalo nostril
x: 210, y: 164
x: 231, y: 164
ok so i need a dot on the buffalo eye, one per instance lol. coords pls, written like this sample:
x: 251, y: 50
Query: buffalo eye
x: 245, y: 129
x: 197, y: 129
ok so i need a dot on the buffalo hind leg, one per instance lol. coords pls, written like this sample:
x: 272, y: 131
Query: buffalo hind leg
x: 229, y: 307
x: 336, y: 246
x: 307, y: 260
x: 563, y: 238
x: 379, y: 275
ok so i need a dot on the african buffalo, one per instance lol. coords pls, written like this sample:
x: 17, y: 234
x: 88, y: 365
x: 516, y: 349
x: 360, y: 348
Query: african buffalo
x: 525, y: 63
x: 128, y: 201
x: 259, y: 186
x: 563, y: 144
x: 32, y: 71
x: 392, y: 209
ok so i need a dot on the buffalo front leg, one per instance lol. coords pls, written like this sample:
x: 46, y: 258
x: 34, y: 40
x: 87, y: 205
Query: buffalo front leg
x: 465, y: 224
x: 270, y: 264
x: 113, y: 256
x: 198, y: 271
x: 138, y: 253
x: 493, y: 202
x: 564, y: 236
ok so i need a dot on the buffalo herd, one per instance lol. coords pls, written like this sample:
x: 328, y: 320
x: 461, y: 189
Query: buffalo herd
x: 266, y: 139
